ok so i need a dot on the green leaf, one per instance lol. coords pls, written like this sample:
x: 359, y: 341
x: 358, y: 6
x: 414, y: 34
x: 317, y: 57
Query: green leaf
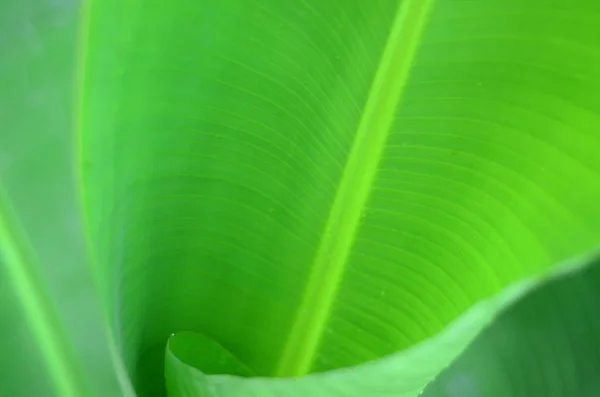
x: 316, y: 185
x: 54, y: 340
x: 404, y: 374
x: 317, y: 197
x: 546, y: 345
x: 18, y: 271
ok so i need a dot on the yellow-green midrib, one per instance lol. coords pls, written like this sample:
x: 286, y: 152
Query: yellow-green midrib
x: 327, y: 269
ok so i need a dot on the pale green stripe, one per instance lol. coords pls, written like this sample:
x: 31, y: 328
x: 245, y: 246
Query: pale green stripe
x: 79, y: 94
x: 357, y: 180
x: 37, y: 310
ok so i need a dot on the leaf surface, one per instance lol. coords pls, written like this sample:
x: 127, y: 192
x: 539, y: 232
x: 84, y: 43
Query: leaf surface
x: 546, y: 345
x: 53, y: 337
x: 317, y: 185
x: 480, y: 371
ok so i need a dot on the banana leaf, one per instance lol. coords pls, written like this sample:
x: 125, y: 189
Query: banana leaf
x: 328, y: 198
x: 546, y: 345
x: 54, y: 336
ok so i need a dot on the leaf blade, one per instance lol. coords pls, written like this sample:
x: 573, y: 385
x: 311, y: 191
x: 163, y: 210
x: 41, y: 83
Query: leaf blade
x: 36, y: 170
x: 242, y: 130
x: 20, y: 270
x: 402, y: 374
x: 353, y: 193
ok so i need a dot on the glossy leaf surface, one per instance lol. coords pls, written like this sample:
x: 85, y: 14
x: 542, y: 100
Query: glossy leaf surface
x: 547, y: 345
x: 481, y: 370
x: 346, y: 189
x: 315, y: 185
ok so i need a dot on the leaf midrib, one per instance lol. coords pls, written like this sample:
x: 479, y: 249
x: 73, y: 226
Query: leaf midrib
x: 342, y: 224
